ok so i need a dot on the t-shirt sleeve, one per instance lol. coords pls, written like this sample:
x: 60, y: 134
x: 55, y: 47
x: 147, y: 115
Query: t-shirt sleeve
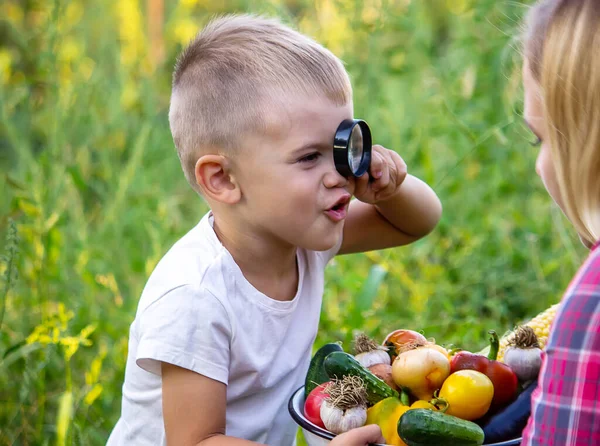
x: 187, y: 327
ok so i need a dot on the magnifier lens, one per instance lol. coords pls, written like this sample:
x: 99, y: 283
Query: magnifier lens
x: 355, y: 149
x: 352, y: 148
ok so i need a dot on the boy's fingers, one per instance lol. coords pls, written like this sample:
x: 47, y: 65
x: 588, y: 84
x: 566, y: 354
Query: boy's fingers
x: 399, y: 163
x: 371, y: 433
x: 397, y: 168
x: 381, y: 172
x: 377, y: 162
x: 362, y: 436
x: 391, y: 163
x: 391, y: 180
x: 362, y: 184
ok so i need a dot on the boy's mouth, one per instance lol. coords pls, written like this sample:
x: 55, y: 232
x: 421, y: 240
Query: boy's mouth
x: 339, y: 210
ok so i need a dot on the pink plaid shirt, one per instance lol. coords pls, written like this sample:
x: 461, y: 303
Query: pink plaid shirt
x: 566, y: 403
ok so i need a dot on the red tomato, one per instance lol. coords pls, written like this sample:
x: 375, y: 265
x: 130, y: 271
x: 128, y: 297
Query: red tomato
x: 312, y: 405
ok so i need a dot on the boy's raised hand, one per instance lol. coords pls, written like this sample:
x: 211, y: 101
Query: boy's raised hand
x: 388, y: 171
x: 392, y: 209
x: 362, y: 436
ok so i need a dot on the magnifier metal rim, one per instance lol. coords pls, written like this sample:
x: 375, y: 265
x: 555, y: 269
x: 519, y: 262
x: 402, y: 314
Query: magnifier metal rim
x: 341, y: 144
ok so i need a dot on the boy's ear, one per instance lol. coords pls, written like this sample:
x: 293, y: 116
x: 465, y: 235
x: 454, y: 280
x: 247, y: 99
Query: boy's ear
x: 216, y: 181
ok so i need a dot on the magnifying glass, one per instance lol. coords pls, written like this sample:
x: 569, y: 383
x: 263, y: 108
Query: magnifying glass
x: 352, y: 148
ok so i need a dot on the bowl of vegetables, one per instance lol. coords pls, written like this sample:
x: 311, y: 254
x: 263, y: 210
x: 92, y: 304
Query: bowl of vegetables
x: 317, y: 436
x: 418, y: 392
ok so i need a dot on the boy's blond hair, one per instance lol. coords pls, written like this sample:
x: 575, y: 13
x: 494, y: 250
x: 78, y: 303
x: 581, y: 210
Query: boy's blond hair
x: 238, y: 68
x: 562, y: 48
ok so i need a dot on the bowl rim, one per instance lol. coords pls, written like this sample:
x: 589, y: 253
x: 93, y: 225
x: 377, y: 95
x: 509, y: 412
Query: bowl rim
x: 304, y: 423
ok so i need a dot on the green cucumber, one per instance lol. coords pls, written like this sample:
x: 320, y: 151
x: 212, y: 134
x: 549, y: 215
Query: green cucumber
x: 316, y: 373
x: 340, y: 364
x: 421, y: 427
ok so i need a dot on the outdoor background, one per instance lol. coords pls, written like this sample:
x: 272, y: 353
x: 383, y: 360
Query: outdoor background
x: 92, y: 194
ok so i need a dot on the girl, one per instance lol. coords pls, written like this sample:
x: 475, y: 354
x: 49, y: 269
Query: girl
x: 561, y: 78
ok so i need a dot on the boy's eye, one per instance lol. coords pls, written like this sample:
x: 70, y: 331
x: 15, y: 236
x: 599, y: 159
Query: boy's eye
x: 536, y: 142
x: 309, y: 158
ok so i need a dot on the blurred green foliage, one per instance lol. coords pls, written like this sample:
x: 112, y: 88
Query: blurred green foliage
x: 93, y: 195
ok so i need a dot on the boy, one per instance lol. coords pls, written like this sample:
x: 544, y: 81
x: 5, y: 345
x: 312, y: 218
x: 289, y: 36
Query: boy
x: 226, y: 322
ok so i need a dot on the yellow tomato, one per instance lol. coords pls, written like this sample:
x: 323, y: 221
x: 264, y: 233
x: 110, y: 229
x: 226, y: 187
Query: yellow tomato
x: 422, y: 404
x: 469, y: 394
x: 386, y: 414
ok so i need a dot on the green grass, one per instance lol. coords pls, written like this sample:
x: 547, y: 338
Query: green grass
x: 92, y: 183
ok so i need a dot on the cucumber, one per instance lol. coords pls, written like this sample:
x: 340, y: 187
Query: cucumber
x: 316, y: 373
x: 421, y: 427
x: 340, y: 364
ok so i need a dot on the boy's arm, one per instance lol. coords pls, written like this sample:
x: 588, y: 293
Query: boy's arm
x: 395, y: 209
x: 194, y: 409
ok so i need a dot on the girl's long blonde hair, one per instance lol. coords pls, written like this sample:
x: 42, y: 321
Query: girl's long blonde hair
x: 562, y: 48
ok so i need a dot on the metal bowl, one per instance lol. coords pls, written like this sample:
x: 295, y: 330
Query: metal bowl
x: 316, y: 436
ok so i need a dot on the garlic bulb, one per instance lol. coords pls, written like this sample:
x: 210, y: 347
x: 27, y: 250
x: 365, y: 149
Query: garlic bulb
x: 368, y: 353
x: 338, y: 420
x: 523, y: 354
x: 345, y: 407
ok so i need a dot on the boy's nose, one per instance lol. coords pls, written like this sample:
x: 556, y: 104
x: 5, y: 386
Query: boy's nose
x: 334, y: 179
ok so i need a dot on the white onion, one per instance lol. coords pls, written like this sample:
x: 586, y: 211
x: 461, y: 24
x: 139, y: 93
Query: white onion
x: 377, y: 356
x: 525, y: 362
x: 422, y: 371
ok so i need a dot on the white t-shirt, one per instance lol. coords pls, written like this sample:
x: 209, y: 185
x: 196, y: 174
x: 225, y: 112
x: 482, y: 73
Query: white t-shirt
x: 198, y: 312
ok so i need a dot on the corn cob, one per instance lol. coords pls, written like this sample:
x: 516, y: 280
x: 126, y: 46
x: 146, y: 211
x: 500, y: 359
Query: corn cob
x: 541, y: 326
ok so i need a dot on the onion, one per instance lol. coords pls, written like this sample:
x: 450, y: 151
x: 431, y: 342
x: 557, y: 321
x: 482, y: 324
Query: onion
x: 422, y: 371
x: 525, y: 362
x: 523, y: 354
x: 368, y: 359
x: 384, y: 373
x: 368, y: 353
x: 400, y: 340
x: 442, y: 350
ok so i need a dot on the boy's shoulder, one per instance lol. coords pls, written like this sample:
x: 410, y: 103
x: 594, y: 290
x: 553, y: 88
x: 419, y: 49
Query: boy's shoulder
x: 186, y: 263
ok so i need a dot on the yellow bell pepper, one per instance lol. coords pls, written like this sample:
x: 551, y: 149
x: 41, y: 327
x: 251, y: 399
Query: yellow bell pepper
x: 386, y: 414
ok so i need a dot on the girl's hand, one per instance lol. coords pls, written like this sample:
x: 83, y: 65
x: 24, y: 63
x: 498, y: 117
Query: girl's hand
x: 361, y: 436
x: 387, y: 173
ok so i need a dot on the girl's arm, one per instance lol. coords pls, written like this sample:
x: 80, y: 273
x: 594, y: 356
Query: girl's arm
x: 194, y: 409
